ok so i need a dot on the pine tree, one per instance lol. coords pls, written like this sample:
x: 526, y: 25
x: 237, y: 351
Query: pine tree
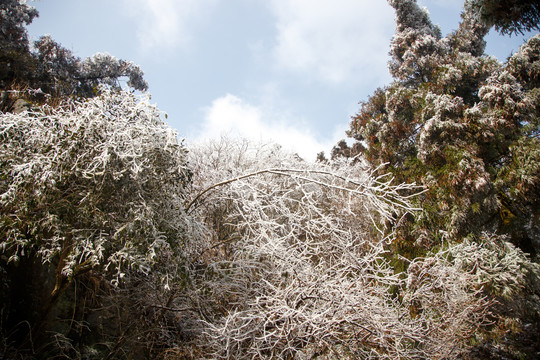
x: 15, y: 59
x: 50, y: 67
x: 460, y: 123
x: 508, y: 16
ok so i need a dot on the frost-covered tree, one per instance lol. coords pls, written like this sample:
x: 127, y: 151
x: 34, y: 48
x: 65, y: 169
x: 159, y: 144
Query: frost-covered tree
x: 230, y: 251
x: 465, y: 126
x: 15, y: 60
x: 91, y: 193
x: 116, y: 242
x: 508, y: 16
x: 49, y: 66
x: 456, y: 120
x: 297, y: 265
x: 63, y: 74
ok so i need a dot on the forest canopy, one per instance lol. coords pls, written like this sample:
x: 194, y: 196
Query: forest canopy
x: 421, y: 240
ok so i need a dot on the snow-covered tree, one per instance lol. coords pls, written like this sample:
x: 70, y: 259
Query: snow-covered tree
x: 508, y: 16
x: 63, y: 74
x: 94, y: 191
x: 49, y: 66
x: 465, y: 126
x: 452, y: 120
x: 297, y: 264
x: 232, y: 250
x: 129, y: 246
x: 15, y: 61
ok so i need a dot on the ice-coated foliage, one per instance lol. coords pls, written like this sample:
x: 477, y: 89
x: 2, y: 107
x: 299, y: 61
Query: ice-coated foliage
x: 494, y: 264
x: 296, y: 268
x: 97, y: 185
x: 49, y: 66
x: 57, y: 65
x: 109, y: 69
x: 63, y: 73
x: 416, y: 44
x: 251, y: 253
x: 94, y: 192
x: 14, y: 14
x: 525, y: 63
x: 452, y: 121
x: 507, y: 16
x: 14, y: 62
x: 129, y: 246
x: 466, y: 127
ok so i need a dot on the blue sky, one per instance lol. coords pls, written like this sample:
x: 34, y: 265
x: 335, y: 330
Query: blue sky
x: 289, y: 70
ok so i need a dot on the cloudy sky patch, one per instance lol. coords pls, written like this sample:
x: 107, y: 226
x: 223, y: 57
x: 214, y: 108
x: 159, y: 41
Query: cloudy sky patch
x: 164, y: 25
x: 290, y: 70
x: 233, y: 117
x: 336, y: 41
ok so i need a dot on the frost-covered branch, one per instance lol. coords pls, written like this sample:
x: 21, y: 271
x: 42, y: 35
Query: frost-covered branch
x: 349, y: 185
x: 297, y: 268
x: 98, y: 183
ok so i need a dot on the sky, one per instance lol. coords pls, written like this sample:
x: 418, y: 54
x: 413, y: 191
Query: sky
x: 288, y: 71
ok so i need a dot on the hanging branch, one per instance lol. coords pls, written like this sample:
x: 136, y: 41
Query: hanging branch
x: 382, y: 187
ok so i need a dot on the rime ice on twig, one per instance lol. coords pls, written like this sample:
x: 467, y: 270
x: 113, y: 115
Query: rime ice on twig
x: 298, y: 260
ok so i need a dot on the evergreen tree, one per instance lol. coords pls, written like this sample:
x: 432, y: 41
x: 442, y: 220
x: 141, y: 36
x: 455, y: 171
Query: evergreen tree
x: 50, y: 67
x: 62, y: 74
x: 460, y: 123
x: 508, y: 16
x: 466, y: 127
x: 15, y: 59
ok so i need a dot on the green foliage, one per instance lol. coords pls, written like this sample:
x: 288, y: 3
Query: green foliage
x: 460, y: 123
x: 49, y: 66
x: 508, y: 16
x: 466, y: 127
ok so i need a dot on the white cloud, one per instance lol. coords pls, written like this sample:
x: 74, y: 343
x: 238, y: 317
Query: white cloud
x: 231, y: 116
x: 166, y: 24
x: 333, y: 40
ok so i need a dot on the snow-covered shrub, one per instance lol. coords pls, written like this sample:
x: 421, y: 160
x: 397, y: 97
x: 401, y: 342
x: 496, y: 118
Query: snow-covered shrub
x: 298, y: 264
x: 94, y: 189
x: 98, y: 184
x: 466, y: 284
